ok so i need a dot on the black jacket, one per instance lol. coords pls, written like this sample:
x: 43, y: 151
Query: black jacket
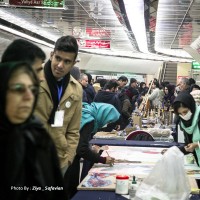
x: 29, y: 163
x: 108, y: 97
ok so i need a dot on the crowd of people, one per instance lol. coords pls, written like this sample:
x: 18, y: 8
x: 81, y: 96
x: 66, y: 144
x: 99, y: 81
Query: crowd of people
x: 48, y: 115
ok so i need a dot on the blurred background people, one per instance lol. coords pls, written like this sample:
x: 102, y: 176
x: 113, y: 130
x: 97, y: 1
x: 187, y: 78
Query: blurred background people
x: 195, y: 92
x: 90, y: 91
x: 184, y: 85
x: 122, y: 81
x: 168, y: 96
x: 156, y: 96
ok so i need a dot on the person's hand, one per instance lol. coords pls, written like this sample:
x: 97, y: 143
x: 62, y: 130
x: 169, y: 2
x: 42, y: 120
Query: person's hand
x: 117, y: 128
x: 105, y: 147
x: 96, y: 148
x: 191, y: 147
x: 110, y: 160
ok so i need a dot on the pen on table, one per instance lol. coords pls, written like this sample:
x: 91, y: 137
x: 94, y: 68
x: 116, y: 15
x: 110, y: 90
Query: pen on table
x: 107, y: 153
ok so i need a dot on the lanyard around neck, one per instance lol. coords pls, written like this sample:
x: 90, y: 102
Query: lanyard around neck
x: 60, y: 89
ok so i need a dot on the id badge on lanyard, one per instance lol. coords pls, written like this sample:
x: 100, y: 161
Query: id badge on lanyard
x: 59, y: 114
x: 59, y: 118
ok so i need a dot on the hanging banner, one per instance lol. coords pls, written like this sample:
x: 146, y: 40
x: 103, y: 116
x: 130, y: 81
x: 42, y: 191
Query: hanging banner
x: 39, y: 3
x: 94, y: 32
x: 94, y: 44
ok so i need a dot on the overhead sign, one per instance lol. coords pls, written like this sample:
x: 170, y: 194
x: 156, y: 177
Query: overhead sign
x: 39, y: 3
x: 94, y: 32
x: 92, y: 44
x: 195, y: 65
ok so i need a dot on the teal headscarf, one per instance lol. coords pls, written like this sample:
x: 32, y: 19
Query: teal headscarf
x: 101, y: 113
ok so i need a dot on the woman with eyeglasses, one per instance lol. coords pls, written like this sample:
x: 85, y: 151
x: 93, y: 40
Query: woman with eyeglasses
x: 29, y: 168
x: 189, y: 114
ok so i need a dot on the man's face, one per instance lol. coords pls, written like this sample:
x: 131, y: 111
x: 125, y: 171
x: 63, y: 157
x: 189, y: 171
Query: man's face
x: 84, y: 81
x: 122, y: 84
x: 38, y: 67
x: 61, y: 63
x: 134, y: 84
x: 182, y: 86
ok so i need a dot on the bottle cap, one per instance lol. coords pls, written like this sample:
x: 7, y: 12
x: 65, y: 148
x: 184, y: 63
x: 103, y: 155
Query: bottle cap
x: 134, y: 181
x: 122, y: 177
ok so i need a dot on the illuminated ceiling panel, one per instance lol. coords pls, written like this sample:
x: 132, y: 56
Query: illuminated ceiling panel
x: 170, y: 25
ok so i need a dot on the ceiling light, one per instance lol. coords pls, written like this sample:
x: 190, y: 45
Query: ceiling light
x: 135, y: 12
x: 23, y: 35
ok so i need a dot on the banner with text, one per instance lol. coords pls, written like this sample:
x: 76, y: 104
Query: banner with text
x: 94, y: 44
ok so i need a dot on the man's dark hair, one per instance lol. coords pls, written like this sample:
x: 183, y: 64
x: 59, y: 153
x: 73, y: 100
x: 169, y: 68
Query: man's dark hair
x: 194, y: 86
x: 191, y: 81
x: 133, y: 80
x: 22, y: 50
x: 123, y: 78
x: 110, y: 84
x: 67, y: 44
x: 156, y: 83
x: 102, y: 82
x: 89, y: 77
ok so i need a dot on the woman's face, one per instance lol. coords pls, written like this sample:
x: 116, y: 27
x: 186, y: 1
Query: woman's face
x: 153, y: 86
x: 183, y: 111
x: 19, y: 98
x: 166, y: 90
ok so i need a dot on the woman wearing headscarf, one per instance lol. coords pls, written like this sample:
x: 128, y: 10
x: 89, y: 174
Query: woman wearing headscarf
x: 127, y: 108
x: 29, y: 167
x: 94, y: 117
x: 168, y: 96
x: 189, y: 113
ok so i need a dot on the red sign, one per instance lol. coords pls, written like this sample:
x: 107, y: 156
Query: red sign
x: 99, y: 44
x: 186, y: 35
x: 97, y: 32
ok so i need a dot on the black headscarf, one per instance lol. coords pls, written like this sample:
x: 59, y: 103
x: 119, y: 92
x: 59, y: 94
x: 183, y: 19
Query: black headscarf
x: 53, y: 87
x: 188, y: 101
x: 28, y: 156
x: 6, y: 71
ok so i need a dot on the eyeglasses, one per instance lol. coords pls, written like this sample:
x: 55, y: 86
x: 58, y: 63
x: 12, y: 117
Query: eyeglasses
x: 20, y: 88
